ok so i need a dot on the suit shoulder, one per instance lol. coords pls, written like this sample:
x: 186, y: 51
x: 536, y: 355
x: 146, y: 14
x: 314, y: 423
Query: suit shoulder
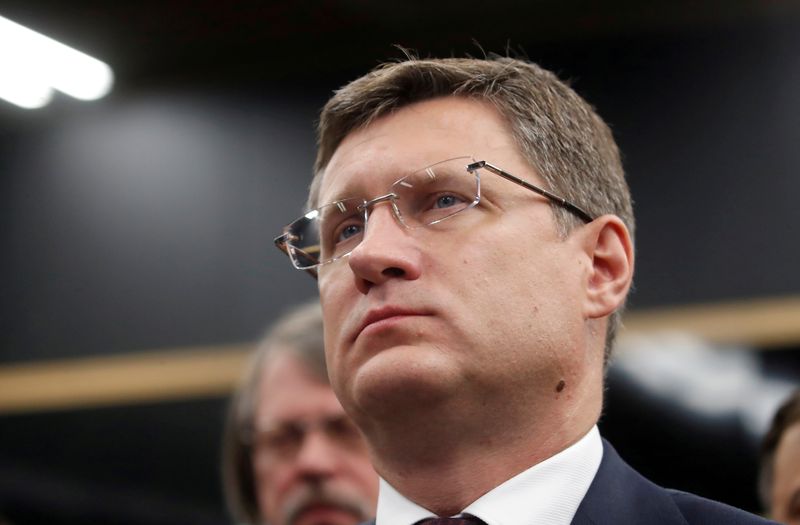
x: 701, y: 511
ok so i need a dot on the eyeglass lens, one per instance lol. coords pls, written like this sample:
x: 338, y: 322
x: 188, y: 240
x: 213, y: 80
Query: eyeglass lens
x: 422, y: 198
x: 286, y: 440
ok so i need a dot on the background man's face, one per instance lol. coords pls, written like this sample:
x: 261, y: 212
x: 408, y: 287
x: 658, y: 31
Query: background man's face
x: 321, y: 476
x: 786, y: 479
x: 484, y: 305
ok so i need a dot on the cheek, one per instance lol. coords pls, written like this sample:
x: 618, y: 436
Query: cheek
x: 364, y: 475
x: 271, y: 484
x: 338, y: 297
x: 510, y: 277
x: 333, y: 312
x: 337, y: 292
x: 529, y: 295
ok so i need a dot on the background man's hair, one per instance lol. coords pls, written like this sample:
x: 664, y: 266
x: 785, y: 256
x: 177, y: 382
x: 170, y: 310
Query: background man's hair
x: 557, y: 131
x: 298, y: 333
x: 786, y: 416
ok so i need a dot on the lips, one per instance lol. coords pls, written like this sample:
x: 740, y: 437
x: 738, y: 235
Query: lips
x: 386, y: 312
x: 320, y: 502
x: 327, y: 513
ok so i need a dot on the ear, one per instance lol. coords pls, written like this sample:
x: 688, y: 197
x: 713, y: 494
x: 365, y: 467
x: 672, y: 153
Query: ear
x: 608, y: 244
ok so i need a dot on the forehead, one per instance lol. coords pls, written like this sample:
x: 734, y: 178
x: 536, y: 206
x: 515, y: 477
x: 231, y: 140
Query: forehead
x: 371, y: 158
x: 289, y: 389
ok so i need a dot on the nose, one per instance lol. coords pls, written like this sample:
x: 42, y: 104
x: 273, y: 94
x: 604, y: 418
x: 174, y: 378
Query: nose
x: 317, y: 456
x: 387, y: 251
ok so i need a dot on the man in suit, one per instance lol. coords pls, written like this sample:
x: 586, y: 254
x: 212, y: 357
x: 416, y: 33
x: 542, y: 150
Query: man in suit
x: 291, y: 454
x: 472, y: 234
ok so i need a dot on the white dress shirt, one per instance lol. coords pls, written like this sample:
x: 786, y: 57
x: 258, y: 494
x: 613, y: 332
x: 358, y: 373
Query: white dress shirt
x: 548, y: 493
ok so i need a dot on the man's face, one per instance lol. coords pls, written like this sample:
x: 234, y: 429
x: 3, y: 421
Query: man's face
x: 484, y: 306
x: 310, y: 462
x: 786, y: 480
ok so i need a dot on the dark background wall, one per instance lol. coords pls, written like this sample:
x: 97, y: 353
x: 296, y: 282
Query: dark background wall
x: 144, y: 220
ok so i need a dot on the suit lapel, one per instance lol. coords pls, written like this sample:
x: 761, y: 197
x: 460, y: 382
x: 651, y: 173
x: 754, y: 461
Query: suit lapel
x: 618, y: 494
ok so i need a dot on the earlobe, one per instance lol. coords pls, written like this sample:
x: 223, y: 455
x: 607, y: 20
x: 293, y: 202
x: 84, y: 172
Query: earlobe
x: 610, y: 249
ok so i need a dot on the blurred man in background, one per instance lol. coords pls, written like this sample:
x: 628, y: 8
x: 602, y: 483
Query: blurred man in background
x: 291, y: 455
x: 779, y: 479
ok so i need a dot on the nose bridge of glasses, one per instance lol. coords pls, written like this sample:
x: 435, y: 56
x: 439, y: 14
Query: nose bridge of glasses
x: 391, y: 198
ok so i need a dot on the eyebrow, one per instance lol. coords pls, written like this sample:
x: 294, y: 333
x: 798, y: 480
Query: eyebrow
x: 345, y: 192
x: 348, y: 191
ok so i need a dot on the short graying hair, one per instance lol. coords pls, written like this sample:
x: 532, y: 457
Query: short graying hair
x: 557, y: 131
x: 298, y: 333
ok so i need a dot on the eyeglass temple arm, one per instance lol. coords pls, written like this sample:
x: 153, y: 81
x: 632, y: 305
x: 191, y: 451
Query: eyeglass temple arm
x: 584, y: 216
x: 281, y: 244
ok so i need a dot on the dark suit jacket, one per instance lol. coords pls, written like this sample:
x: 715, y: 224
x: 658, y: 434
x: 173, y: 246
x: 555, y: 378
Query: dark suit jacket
x: 619, y: 495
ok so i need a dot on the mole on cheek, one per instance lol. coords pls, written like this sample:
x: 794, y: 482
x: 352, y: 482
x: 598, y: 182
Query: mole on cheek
x: 560, y: 386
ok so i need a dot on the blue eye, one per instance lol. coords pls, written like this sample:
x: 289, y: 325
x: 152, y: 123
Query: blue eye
x: 349, y: 231
x: 446, y: 201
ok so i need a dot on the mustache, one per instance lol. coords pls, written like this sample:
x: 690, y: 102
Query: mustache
x: 313, y: 494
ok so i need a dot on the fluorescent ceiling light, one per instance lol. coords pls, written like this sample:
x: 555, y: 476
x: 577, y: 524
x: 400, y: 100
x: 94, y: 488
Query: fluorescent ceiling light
x: 29, y: 95
x: 32, y: 65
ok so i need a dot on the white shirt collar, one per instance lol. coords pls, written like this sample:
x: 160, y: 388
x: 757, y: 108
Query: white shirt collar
x: 547, y: 493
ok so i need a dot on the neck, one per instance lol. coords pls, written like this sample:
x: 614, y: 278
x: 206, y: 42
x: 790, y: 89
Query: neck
x: 446, y: 466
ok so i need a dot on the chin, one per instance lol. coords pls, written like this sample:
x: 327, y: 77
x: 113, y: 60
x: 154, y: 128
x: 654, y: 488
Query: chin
x: 403, y: 378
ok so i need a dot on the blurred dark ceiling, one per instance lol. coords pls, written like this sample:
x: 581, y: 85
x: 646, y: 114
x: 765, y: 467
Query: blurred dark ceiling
x: 176, y: 40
